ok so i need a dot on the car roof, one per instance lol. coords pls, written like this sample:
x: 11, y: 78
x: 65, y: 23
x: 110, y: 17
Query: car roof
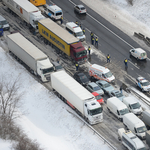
x: 80, y: 6
x: 93, y: 84
x: 139, y: 50
x: 100, y: 68
x: 95, y: 93
x: 102, y: 81
x: 115, y: 91
x: 54, y: 7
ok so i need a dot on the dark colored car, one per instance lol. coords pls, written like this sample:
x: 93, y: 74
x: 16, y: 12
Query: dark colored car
x: 81, y: 78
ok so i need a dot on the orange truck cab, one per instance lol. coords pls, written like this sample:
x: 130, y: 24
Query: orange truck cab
x: 38, y: 2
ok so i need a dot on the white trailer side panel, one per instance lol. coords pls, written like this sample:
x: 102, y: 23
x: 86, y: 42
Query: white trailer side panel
x: 25, y: 50
x: 70, y: 89
x: 22, y: 8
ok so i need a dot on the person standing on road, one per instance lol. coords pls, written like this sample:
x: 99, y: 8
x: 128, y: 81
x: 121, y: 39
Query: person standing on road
x: 92, y: 35
x: 93, y: 40
x: 121, y: 89
x: 108, y: 58
x: 96, y: 42
x: 77, y: 66
x: 89, y: 50
x: 126, y: 63
x: 77, y: 22
x: 83, y: 31
x: 61, y: 19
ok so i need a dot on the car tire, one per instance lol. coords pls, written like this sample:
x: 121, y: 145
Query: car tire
x: 137, y: 58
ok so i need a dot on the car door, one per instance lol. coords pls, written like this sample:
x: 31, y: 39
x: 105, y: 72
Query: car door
x: 77, y: 9
x: 133, y: 53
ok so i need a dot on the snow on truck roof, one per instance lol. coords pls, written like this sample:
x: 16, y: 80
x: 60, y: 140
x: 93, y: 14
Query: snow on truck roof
x: 59, y: 31
x: 27, y: 46
x: 29, y: 7
x: 73, y: 85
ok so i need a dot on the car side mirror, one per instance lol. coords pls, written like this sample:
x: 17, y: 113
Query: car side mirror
x: 85, y: 105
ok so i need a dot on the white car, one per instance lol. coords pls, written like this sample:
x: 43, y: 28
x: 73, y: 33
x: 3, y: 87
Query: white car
x: 80, y: 9
x: 143, y: 84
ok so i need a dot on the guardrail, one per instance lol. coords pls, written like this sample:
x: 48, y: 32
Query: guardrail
x: 99, y: 135
x: 142, y: 37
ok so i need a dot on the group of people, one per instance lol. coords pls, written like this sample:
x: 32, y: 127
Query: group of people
x: 94, y: 39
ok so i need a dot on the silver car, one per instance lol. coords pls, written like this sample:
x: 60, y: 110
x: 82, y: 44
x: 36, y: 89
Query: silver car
x: 117, y: 94
x: 80, y: 9
x: 93, y: 87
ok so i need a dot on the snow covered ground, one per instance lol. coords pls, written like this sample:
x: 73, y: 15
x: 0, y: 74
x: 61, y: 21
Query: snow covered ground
x: 47, y: 120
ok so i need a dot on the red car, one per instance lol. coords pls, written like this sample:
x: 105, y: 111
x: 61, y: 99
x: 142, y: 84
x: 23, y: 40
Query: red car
x: 98, y: 97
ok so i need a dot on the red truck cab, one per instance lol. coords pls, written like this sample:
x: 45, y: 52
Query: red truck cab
x: 98, y: 97
x: 78, y: 52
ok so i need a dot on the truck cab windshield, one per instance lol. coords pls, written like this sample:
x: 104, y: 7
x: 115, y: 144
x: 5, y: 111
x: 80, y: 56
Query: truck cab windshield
x: 96, y: 111
x: 141, y: 129
x: 80, y: 54
x: 108, y: 74
x: 124, y: 111
x: 47, y: 70
x: 79, y: 34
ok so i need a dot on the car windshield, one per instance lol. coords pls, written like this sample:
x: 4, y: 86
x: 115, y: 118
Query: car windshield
x: 3, y: 22
x: 124, y: 111
x: 48, y: 70
x: 82, y: 8
x: 145, y: 83
x: 106, y: 85
x: 136, y: 105
x: 141, y: 129
x: 95, y: 111
x: 79, y: 34
x: 80, y: 54
x: 143, y: 54
x: 108, y: 74
x: 98, y: 97
x: 96, y: 88
x: 59, y: 13
x: 118, y: 94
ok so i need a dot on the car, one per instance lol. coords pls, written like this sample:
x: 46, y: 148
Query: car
x: 117, y: 94
x: 107, y: 88
x: 138, y: 53
x: 98, y: 97
x: 93, y: 87
x: 81, y: 78
x: 57, y: 66
x: 80, y: 9
x: 143, y: 84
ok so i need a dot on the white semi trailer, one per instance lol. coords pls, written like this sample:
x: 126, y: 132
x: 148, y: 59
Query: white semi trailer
x: 26, y: 11
x: 37, y: 62
x: 75, y: 95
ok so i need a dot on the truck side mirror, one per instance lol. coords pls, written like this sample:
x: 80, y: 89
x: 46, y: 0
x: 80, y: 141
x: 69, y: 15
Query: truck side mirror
x: 86, y: 105
x: 135, y: 130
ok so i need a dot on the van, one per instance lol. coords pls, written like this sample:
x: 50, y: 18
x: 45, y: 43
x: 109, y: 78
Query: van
x: 130, y: 141
x: 4, y: 23
x: 146, y: 118
x: 54, y: 12
x: 118, y: 108
x: 136, y: 125
x: 74, y: 29
x: 133, y: 105
x: 101, y: 73
x: 138, y: 53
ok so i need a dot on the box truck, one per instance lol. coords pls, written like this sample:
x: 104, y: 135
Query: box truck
x: 63, y: 41
x: 146, y: 118
x: 27, y: 53
x: 136, y: 125
x: 77, y: 97
x: 130, y: 141
x: 117, y: 107
x: 26, y: 11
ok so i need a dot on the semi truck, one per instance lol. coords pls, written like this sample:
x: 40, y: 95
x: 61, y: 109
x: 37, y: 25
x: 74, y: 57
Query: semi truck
x: 38, y: 2
x: 26, y: 11
x: 28, y: 54
x: 62, y: 40
x: 76, y: 96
